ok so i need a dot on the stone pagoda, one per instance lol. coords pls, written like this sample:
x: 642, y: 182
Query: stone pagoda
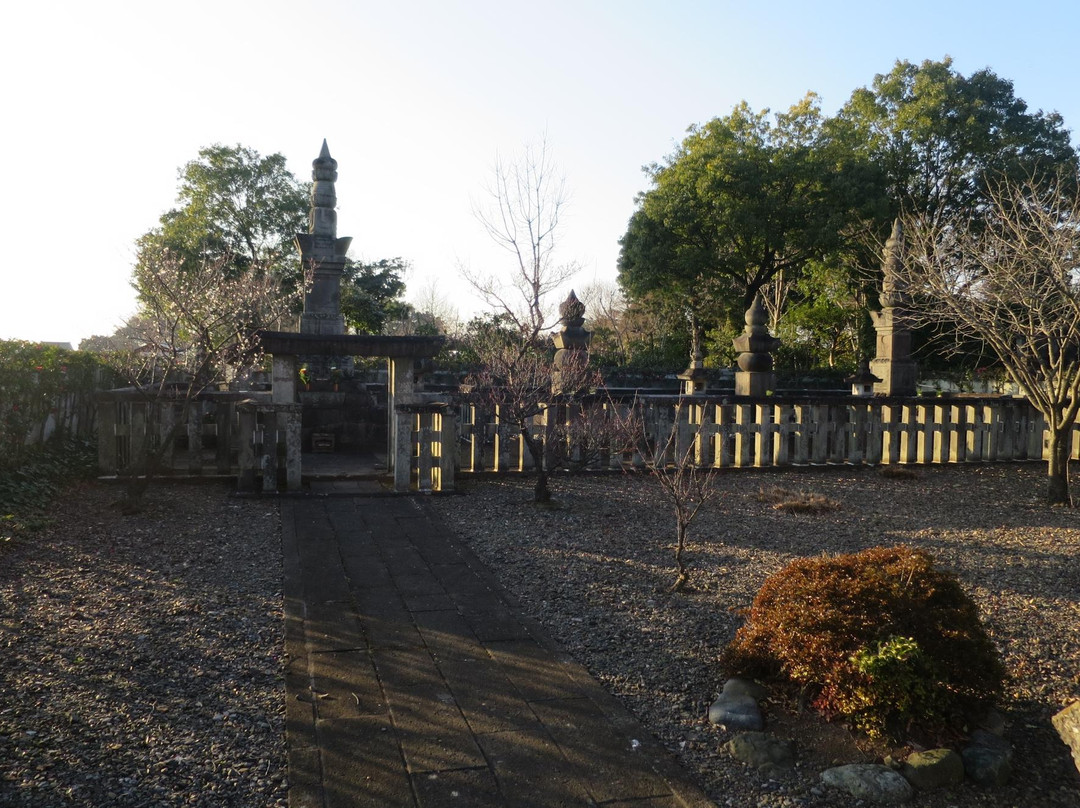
x: 322, y: 253
x: 893, y: 364
x: 755, y: 345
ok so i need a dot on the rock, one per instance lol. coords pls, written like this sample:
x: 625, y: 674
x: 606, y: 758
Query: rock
x: 869, y: 781
x: 993, y: 722
x: 1067, y: 724
x: 745, y: 687
x: 736, y: 712
x: 773, y: 757
x: 987, y: 766
x: 934, y: 768
x: 982, y: 737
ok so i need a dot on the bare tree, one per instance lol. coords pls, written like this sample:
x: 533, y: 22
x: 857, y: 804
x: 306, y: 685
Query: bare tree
x: 526, y: 199
x: 672, y: 461
x: 607, y: 304
x: 516, y: 382
x: 197, y: 326
x: 1011, y: 279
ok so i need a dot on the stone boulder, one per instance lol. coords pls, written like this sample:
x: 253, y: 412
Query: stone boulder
x: 737, y: 706
x: 986, y: 765
x: 773, y: 757
x: 1067, y: 724
x: 934, y: 768
x: 869, y: 781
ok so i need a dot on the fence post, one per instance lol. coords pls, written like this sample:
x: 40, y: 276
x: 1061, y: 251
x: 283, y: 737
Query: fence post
x: 447, y: 430
x: 875, y: 433
x: 106, y: 435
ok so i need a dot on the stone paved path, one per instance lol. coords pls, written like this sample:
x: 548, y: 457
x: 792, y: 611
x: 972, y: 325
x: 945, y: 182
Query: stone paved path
x: 412, y: 680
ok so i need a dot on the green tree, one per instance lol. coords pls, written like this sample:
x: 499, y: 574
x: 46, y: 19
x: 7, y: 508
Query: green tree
x: 371, y: 294
x: 237, y: 204
x: 943, y: 139
x: 743, y: 199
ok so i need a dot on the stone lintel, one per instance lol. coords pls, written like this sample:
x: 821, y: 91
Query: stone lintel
x: 287, y: 342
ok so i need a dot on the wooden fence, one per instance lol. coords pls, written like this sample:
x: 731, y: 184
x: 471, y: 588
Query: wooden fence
x: 729, y: 432
x: 246, y: 435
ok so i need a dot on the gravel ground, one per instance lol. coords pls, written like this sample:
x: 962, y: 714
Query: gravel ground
x: 141, y: 656
x: 596, y: 570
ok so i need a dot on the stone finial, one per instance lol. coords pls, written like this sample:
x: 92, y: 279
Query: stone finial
x: 893, y: 289
x: 571, y: 341
x: 324, y: 167
x: 572, y: 311
x: 756, y: 344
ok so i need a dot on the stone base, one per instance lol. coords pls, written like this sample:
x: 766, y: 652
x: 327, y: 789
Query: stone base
x: 754, y: 383
x: 897, y: 377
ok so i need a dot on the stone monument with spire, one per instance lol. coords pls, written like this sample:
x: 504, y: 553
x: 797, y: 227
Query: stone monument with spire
x: 322, y: 253
x: 892, y: 363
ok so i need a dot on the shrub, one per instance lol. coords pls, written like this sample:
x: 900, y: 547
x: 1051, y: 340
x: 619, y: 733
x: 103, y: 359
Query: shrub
x: 881, y: 638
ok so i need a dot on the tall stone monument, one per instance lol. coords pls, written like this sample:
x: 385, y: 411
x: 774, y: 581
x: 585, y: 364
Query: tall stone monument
x: 755, y: 375
x: 322, y: 253
x: 893, y: 364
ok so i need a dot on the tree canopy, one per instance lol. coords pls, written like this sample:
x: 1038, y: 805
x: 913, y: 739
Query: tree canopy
x: 234, y: 202
x: 751, y: 202
x: 943, y: 138
x: 743, y: 199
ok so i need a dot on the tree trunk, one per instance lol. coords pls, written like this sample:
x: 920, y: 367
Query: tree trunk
x: 1058, y: 467
x: 682, y: 576
x: 541, y: 493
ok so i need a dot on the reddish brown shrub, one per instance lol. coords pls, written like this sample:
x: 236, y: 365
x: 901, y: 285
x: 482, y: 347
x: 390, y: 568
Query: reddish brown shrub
x: 837, y: 624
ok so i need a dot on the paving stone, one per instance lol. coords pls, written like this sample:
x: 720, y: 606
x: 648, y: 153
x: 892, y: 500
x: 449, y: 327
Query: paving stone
x: 332, y: 626
x: 490, y: 620
x: 391, y: 632
x: 345, y: 685
x: 405, y: 668
x: 460, y: 578
x: 535, y: 674
x: 487, y: 699
x: 361, y: 760
x: 474, y: 788
x: 447, y: 634
x: 365, y: 571
x: 603, y: 759
x: 531, y: 770
x: 429, y: 603
x: 434, y: 734
x: 423, y: 583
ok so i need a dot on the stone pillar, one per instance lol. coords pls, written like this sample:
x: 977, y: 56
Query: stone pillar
x: 571, y: 342
x: 755, y: 345
x: 285, y: 378
x: 401, y: 391
x: 893, y: 364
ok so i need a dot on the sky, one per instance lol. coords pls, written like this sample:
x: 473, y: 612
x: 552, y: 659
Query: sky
x: 105, y: 102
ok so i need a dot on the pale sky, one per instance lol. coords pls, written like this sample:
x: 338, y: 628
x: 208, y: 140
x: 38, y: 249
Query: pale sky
x: 105, y: 101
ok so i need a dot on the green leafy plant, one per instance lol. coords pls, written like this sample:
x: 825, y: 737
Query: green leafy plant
x: 900, y: 687
x: 830, y: 624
